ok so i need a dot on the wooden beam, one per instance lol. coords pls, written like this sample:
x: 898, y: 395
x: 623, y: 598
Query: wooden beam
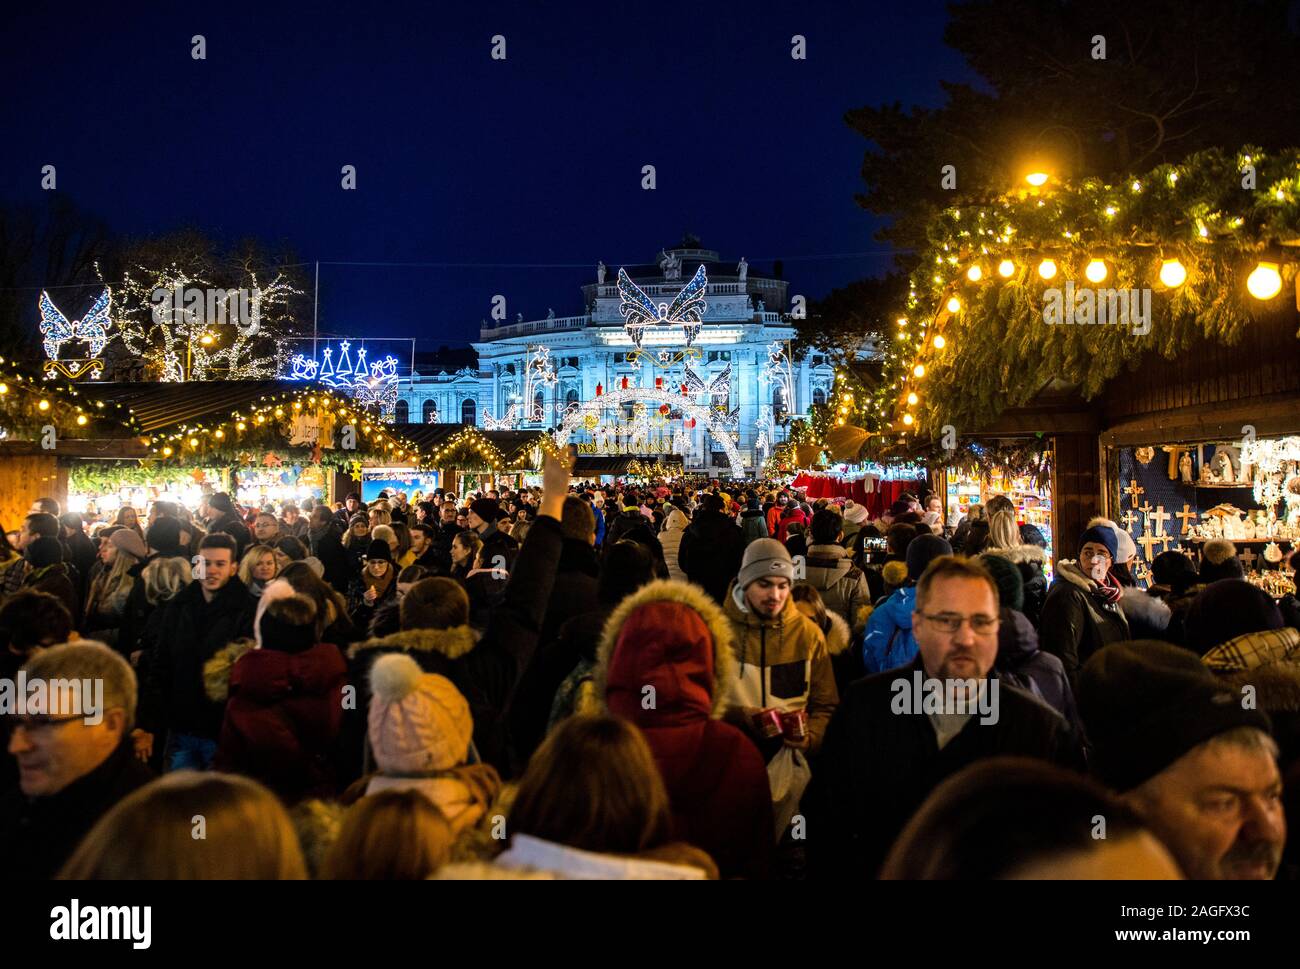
x: 122, y: 449
x: 1270, y: 416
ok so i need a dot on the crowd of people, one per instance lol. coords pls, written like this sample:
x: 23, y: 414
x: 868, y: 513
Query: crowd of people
x: 683, y: 679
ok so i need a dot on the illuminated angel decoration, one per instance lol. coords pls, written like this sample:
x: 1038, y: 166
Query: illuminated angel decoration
x: 686, y: 310
x: 91, y: 329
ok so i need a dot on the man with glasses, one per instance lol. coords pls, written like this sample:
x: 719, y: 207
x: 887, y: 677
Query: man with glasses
x: 73, y: 766
x: 1083, y: 610
x: 897, y: 734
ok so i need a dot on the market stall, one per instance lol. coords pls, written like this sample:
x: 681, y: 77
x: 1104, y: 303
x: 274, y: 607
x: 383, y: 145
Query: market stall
x: 466, y: 459
x: 118, y: 444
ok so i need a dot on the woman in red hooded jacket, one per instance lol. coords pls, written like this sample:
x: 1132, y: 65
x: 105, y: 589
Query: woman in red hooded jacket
x: 284, y: 702
x: 663, y: 662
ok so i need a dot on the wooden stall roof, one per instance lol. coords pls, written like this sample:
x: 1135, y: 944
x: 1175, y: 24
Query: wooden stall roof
x: 162, y: 405
x: 513, y: 447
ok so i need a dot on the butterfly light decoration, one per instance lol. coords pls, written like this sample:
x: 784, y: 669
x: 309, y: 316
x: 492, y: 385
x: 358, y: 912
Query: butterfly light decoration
x: 91, y: 328
x: 686, y: 310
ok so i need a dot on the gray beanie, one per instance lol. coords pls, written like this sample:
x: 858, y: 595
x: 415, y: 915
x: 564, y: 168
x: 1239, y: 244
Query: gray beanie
x: 764, y: 557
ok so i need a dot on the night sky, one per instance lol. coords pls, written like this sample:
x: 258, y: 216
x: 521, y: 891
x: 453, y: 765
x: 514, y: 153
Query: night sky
x: 521, y: 173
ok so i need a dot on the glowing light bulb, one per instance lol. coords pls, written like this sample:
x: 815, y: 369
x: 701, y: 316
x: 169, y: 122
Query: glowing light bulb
x: 912, y: 399
x: 219, y: 434
x: 1005, y: 268
x: 954, y: 305
x: 1265, y: 282
x: 1036, y: 179
x: 1047, y: 269
x: 918, y: 370
x: 975, y: 274
x: 907, y: 419
x: 241, y: 426
x: 940, y: 343
x: 167, y: 452
x: 44, y: 405
x: 81, y: 420
x: 1172, y: 273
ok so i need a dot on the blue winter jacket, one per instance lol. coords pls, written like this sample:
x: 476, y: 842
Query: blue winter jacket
x: 889, y: 642
x: 600, y: 526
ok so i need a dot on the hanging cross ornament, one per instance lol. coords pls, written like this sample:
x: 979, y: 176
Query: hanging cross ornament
x: 1187, y: 515
x: 1146, y: 509
x: 1248, y: 557
x: 1128, y: 518
x: 1146, y: 541
x: 1133, y: 490
x: 1160, y: 516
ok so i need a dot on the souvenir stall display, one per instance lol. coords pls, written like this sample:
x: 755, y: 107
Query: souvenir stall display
x: 1184, y: 495
x: 1031, y: 497
x: 278, y: 482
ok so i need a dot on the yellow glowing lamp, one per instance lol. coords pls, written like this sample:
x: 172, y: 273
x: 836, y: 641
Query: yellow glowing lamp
x: 1047, y: 269
x: 1095, y: 271
x: 241, y: 426
x: 81, y: 420
x: 954, y: 305
x: 1036, y: 179
x: 1172, y: 273
x: 907, y: 419
x: 912, y: 399
x: 1005, y: 268
x: 975, y: 274
x: 918, y: 370
x: 167, y: 452
x: 1265, y: 282
x: 4, y: 388
x: 279, y: 412
x: 940, y: 342
x: 44, y: 404
x: 206, y: 339
x: 194, y: 442
x: 218, y: 434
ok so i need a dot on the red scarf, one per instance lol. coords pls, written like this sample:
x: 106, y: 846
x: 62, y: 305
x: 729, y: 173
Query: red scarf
x: 1109, y: 591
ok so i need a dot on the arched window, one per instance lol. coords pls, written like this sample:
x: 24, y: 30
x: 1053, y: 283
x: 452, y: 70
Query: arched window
x: 403, y: 412
x: 468, y: 411
x: 779, y: 405
x: 571, y: 398
x: 819, y: 395
x: 539, y: 406
x: 430, y: 413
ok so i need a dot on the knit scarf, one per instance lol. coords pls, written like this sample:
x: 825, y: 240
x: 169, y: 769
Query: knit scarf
x: 381, y: 584
x: 1109, y: 591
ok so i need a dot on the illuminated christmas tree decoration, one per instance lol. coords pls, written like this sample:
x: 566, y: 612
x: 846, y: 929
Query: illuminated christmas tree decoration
x: 975, y: 273
x: 1047, y: 268
x: 370, y: 384
x: 1005, y: 268
x: 1095, y: 271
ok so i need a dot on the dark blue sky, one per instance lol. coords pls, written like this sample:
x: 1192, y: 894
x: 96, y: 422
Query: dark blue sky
x: 528, y: 169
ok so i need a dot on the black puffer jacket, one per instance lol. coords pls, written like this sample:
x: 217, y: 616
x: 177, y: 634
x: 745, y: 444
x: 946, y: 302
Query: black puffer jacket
x: 192, y: 630
x: 711, y: 551
x: 1076, y: 622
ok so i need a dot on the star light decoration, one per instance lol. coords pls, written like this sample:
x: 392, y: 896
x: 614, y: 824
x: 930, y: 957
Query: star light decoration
x: 371, y: 384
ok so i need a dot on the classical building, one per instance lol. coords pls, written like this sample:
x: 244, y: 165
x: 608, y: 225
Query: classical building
x: 683, y: 356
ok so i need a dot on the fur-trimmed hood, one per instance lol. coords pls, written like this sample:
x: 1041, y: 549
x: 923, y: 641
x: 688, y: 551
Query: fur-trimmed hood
x: 1145, y: 609
x: 453, y: 642
x: 216, y: 671
x: 652, y: 660
x: 1067, y: 570
x: 1029, y: 554
x: 838, y: 636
